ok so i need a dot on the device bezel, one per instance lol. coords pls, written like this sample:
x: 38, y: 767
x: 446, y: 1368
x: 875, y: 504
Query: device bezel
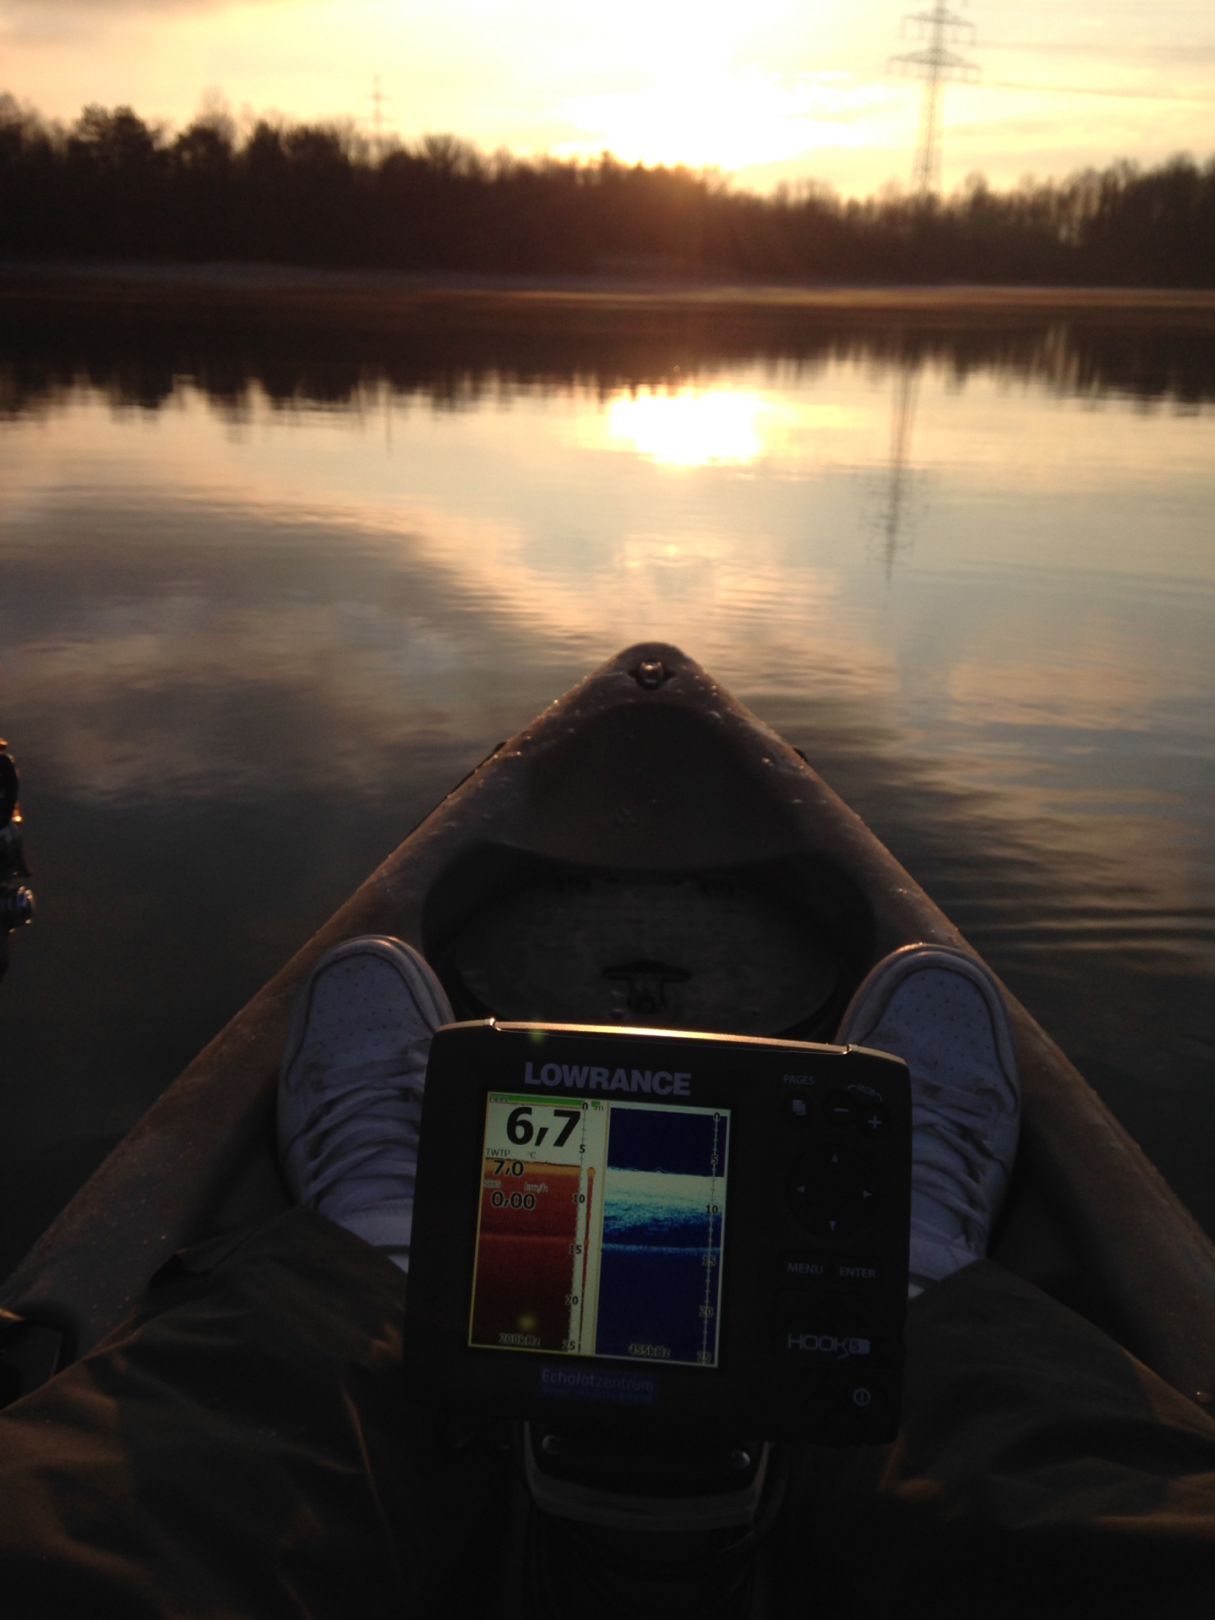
x: 752, y: 1389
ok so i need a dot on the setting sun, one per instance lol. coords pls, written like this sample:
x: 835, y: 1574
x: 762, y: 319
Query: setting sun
x: 727, y: 119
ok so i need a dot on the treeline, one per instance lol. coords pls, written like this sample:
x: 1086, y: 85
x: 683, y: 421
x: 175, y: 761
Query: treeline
x: 112, y: 186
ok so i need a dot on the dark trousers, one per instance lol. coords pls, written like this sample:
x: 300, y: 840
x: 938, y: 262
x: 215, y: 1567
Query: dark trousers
x: 245, y: 1445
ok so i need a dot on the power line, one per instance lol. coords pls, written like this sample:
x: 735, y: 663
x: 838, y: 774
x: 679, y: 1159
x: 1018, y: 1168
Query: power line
x: 1089, y: 47
x: 1095, y: 90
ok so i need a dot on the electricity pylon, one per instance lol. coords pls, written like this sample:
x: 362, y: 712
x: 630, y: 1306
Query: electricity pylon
x: 935, y: 65
x: 378, y: 97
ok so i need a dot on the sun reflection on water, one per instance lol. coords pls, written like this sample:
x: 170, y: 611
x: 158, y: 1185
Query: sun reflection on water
x: 693, y: 427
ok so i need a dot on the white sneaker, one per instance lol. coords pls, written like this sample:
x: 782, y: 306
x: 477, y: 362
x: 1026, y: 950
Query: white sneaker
x: 350, y: 1089
x: 941, y: 1011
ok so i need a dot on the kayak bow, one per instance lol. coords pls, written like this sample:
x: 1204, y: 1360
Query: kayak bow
x: 647, y: 851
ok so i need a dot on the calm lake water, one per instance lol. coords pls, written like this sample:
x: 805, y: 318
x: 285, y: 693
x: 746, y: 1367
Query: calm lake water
x: 261, y: 604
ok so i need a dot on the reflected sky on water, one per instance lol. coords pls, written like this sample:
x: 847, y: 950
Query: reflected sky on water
x: 251, y: 632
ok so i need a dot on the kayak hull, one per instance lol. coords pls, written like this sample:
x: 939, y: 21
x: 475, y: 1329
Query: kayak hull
x: 649, y: 851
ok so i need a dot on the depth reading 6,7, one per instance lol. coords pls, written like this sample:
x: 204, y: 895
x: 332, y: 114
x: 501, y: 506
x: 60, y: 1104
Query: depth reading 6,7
x: 521, y: 1129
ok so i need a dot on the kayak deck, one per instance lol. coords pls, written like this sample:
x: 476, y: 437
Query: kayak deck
x: 647, y: 851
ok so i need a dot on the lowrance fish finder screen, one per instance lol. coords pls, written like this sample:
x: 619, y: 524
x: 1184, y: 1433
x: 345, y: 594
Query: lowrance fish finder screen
x: 600, y: 1229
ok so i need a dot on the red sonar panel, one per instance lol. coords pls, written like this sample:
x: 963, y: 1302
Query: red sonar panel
x: 527, y: 1267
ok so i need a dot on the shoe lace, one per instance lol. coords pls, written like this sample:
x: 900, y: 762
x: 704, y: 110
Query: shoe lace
x: 956, y: 1118
x: 364, y: 1133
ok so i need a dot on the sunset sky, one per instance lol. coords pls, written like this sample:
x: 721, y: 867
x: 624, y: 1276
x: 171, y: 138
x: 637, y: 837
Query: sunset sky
x: 768, y: 90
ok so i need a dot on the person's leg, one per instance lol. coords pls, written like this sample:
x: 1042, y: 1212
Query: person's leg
x: 350, y: 1088
x: 1039, y: 1467
x: 245, y: 1445
x: 941, y: 1012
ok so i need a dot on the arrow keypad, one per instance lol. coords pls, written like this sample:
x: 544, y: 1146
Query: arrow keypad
x: 833, y: 1191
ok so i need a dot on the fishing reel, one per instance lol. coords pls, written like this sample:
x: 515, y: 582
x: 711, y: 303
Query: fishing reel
x: 16, y: 897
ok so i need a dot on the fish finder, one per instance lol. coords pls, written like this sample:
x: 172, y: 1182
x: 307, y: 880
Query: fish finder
x: 668, y: 1240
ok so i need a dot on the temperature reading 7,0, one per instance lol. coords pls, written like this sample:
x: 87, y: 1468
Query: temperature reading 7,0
x: 521, y: 1129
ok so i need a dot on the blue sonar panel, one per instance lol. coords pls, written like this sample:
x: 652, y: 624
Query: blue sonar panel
x: 663, y: 1208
